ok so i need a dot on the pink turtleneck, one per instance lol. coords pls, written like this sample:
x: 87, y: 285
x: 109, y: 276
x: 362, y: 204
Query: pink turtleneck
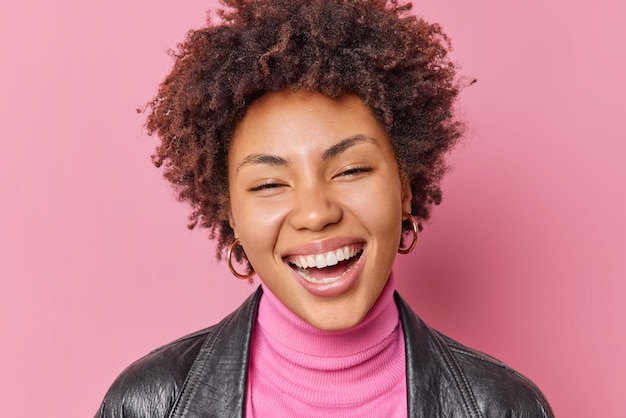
x: 297, y: 370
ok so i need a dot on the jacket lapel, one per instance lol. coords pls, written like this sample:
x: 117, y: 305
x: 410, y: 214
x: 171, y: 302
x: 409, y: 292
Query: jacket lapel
x: 216, y: 384
x: 435, y: 385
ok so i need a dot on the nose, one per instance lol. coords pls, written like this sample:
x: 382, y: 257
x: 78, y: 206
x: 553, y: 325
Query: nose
x: 314, y: 208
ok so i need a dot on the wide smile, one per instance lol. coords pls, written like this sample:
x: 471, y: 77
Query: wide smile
x: 327, y: 267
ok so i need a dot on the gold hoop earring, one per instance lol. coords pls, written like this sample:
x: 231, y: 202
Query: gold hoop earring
x: 229, y: 257
x: 415, y: 229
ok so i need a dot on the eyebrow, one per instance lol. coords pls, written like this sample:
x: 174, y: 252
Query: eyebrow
x: 262, y: 159
x: 344, y: 144
x: 331, y: 152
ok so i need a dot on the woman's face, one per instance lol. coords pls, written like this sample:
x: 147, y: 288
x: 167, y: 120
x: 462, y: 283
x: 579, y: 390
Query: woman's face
x: 317, y: 200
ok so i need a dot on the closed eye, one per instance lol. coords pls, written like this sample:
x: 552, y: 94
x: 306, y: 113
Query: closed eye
x: 353, y: 171
x: 265, y: 186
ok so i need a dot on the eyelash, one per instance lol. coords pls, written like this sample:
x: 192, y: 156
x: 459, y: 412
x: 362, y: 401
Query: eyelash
x: 355, y: 170
x: 349, y: 172
x: 264, y: 186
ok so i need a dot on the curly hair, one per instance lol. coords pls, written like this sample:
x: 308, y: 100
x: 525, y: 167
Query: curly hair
x: 394, y: 61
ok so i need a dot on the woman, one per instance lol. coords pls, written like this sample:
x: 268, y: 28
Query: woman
x: 308, y: 137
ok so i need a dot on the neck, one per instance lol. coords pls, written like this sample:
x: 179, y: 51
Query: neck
x: 307, y: 366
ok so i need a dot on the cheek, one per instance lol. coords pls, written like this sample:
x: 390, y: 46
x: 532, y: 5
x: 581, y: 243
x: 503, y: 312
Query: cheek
x: 257, y: 226
x: 379, y: 206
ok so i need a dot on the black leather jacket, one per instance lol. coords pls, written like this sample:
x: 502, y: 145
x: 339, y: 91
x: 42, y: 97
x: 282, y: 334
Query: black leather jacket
x: 204, y: 375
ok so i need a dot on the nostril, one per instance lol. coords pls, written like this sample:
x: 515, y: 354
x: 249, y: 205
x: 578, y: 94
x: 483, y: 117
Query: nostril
x: 315, y: 215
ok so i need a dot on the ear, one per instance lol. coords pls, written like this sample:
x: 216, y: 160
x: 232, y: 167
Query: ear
x: 407, y: 195
x: 231, y: 222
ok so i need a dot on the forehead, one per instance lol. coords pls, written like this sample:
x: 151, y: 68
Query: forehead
x: 308, y: 121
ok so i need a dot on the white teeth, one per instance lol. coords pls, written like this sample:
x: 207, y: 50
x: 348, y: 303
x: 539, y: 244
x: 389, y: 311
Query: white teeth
x: 340, y: 256
x: 310, y: 261
x: 306, y: 276
x: 320, y: 261
x: 330, y: 258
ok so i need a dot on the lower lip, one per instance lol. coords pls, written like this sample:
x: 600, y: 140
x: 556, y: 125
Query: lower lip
x: 337, y: 287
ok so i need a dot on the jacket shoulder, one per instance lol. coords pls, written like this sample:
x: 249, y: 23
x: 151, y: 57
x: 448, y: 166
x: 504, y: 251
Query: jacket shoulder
x: 498, y: 389
x: 150, y: 386
x: 154, y: 385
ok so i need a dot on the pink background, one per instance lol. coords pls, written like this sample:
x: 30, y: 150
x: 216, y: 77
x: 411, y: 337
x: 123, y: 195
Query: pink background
x: 525, y: 259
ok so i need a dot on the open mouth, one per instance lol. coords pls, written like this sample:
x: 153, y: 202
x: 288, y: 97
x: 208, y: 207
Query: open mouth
x: 326, y: 267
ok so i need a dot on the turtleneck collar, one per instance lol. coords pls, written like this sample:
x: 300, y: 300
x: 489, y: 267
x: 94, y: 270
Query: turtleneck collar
x: 314, y: 371
x: 287, y: 329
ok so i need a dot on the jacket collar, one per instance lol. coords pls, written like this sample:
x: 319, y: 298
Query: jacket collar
x: 219, y: 375
x: 433, y: 374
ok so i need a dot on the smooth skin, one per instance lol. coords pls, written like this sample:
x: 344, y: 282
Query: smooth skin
x: 310, y: 175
